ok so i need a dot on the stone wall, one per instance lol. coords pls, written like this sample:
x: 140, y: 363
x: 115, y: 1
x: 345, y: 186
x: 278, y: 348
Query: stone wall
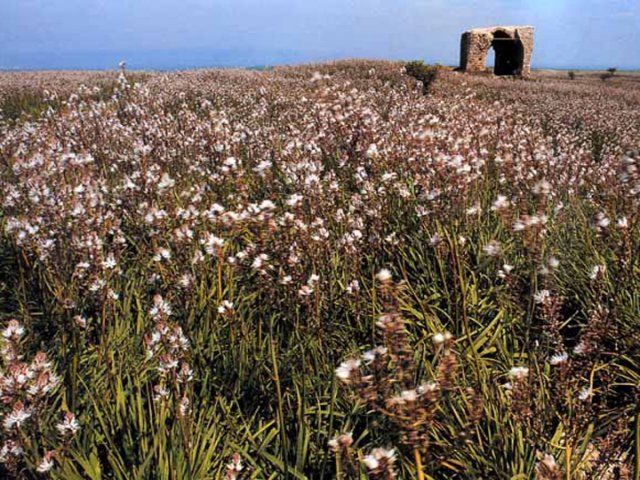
x: 475, y: 44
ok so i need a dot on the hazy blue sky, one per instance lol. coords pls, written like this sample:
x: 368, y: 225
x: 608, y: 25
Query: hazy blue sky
x: 189, y: 33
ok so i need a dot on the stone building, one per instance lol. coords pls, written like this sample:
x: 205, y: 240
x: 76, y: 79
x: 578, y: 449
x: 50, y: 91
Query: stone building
x: 513, y: 47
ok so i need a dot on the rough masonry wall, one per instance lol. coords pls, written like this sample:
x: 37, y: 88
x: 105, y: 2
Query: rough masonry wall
x: 475, y: 44
x: 525, y: 34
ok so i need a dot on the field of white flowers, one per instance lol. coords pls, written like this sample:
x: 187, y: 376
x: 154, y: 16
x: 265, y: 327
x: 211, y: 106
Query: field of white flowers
x: 318, y: 272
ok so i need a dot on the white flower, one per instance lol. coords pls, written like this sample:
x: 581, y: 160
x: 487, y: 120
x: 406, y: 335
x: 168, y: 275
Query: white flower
x: 549, y: 463
x: 585, y: 394
x: 475, y: 208
x: 234, y: 467
x: 370, y: 355
x: 294, y: 199
x: 97, y: 284
x: 347, y: 368
x: 166, y: 182
x: 378, y: 455
x: 492, y: 248
x: 518, y: 373
x: 596, y: 271
x: 438, y: 338
x: 353, y: 287
x: 184, y: 407
x: 162, y: 254
x: 559, y: 358
x: 391, y: 238
x: 602, y: 221
x: 160, y: 393
x: 259, y: 261
x: 518, y: 226
x: 46, y: 463
x: 212, y: 243
x: 372, y: 151
x: 542, y: 187
x: 384, y: 276
x: 427, y: 388
x: 341, y: 441
x: 500, y: 203
x: 16, y: 417
x: 580, y: 348
x: 185, y: 280
x: 69, y: 425
x: 553, y: 262
x: 80, y: 321
x: 305, y: 291
x: 10, y: 448
x: 262, y: 167
x: 14, y: 328
x: 109, y: 262
x: 161, y: 307
x: 542, y: 296
x: 225, y: 307
x: 409, y: 395
x: 436, y: 239
x: 371, y: 462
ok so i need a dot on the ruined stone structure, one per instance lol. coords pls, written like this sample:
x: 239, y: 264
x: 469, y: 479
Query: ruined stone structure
x: 513, y: 48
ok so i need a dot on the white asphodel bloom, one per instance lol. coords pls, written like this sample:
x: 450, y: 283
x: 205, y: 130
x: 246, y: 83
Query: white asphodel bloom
x: 379, y: 455
x: 518, y: 373
x: 372, y: 151
x: 500, y: 203
x: 384, y: 275
x: 46, y: 463
x: 559, y: 358
x: 585, y: 394
x: 347, y: 368
x: 69, y: 425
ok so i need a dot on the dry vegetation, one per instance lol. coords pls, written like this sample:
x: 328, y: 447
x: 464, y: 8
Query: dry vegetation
x: 319, y: 272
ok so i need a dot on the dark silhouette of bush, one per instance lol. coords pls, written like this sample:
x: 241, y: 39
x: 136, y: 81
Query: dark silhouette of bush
x: 572, y: 75
x: 426, y: 74
x: 608, y: 74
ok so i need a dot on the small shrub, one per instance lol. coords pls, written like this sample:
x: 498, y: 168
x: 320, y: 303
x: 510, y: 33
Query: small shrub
x: 572, y: 75
x: 426, y: 74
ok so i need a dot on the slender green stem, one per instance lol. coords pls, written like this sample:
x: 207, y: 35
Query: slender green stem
x: 281, y: 422
x: 419, y: 467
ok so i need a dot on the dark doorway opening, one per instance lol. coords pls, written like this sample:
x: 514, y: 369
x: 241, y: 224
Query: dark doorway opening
x: 509, y: 54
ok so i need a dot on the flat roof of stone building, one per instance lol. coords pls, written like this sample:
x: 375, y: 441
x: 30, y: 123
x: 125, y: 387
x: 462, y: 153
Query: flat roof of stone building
x: 497, y: 27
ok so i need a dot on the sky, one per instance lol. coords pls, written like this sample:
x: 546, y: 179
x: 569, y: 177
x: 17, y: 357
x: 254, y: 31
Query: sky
x: 175, y: 34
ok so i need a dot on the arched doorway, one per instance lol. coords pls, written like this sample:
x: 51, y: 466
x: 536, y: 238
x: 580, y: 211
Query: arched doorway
x: 508, y: 54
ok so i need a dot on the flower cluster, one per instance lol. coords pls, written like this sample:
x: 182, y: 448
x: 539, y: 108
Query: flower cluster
x: 25, y: 390
x: 168, y: 347
x: 385, y: 379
